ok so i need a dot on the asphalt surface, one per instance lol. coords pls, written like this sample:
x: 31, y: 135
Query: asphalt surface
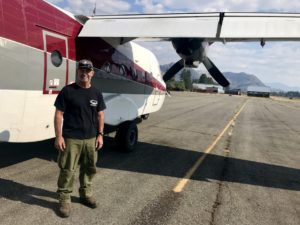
x: 247, y: 169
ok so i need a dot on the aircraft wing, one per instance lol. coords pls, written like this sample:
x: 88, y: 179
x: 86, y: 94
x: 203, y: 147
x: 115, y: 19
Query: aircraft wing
x: 224, y: 27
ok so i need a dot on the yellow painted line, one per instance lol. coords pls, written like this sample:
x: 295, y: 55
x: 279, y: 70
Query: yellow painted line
x: 183, y: 182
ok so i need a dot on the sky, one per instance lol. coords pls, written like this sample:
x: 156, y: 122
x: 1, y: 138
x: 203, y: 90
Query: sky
x: 276, y: 62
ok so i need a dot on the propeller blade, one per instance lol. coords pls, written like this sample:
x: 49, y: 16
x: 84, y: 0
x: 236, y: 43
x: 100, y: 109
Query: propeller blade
x: 173, y: 70
x: 215, y: 72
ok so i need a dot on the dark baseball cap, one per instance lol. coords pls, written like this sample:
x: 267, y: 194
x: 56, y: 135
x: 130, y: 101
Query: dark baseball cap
x: 85, y: 64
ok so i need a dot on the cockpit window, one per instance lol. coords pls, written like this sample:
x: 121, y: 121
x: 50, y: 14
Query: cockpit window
x: 107, y: 67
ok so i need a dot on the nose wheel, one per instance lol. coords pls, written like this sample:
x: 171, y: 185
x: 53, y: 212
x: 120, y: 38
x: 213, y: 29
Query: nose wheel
x: 127, y: 136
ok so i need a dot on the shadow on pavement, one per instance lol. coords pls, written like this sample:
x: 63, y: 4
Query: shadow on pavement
x: 167, y: 161
x: 30, y: 195
x: 13, y: 153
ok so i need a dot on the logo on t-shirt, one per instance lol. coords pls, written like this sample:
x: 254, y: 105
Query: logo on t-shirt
x: 93, y: 103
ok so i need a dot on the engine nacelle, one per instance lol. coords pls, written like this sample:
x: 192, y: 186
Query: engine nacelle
x: 191, y: 50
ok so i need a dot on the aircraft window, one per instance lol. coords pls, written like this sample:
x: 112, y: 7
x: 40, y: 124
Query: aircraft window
x: 56, y: 58
x: 140, y: 75
x: 122, y: 70
x: 149, y: 78
x: 107, y: 67
x: 144, y: 74
x: 134, y: 74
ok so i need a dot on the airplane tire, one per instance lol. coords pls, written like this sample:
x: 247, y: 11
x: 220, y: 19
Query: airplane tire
x: 145, y: 116
x: 127, y: 136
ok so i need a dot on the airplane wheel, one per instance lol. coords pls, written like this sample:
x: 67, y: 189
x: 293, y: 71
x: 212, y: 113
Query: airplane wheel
x: 127, y: 136
x: 145, y: 116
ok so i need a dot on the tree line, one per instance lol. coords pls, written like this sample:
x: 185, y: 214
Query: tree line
x: 185, y: 82
x: 288, y: 94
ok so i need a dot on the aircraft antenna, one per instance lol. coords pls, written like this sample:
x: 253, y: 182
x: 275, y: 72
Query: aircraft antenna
x: 94, y: 10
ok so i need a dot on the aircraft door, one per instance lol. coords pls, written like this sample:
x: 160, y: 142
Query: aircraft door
x: 55, y: 62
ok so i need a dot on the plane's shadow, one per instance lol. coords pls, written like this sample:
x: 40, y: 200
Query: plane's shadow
x: 174, y: 162
x: 13, y: 153
x: 166, y: 161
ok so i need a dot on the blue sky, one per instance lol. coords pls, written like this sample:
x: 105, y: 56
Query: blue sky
x: 276, y: 62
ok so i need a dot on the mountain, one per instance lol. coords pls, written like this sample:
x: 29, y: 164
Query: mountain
x: 277, y: 87
x: 165, y: 67
x: 237, y: 80
x: 195, y: 73
x: 243, y: 80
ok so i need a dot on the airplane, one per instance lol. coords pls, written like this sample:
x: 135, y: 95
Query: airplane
x: 41, y: 43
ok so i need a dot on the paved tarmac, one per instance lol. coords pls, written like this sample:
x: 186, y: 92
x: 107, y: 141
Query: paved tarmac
x: 202, y: 159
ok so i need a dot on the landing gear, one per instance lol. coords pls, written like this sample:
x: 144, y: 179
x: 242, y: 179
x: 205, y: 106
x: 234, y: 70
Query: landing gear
x: 127, y: 136
x: 145, y: 116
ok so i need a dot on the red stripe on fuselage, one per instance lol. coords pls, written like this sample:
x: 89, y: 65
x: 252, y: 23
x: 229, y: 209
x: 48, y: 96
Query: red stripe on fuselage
x: 102, y: 55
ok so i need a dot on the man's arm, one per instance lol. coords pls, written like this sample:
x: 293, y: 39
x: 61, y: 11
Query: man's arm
x: 99, y: 140
x: 59, y: 140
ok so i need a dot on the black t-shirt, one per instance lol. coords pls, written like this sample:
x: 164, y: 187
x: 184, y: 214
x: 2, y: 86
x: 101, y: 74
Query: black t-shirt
x: 80, y: 107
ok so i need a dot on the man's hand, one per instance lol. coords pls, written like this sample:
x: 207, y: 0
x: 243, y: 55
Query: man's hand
x: 59, y: 140
x: 99, y: 142
x: 60, y: 143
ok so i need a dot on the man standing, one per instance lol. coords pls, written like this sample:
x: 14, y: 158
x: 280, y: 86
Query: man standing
x: 79, y: 124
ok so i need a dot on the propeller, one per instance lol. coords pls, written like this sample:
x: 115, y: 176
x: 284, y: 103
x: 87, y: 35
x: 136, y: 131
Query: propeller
x: 212, y: 69
x: 215, y: 72
x: 175, y: 68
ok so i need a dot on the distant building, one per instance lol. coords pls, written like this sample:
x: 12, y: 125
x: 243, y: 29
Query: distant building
x: 235, y: 91
x: 208, y: 88
x: 258, y: 91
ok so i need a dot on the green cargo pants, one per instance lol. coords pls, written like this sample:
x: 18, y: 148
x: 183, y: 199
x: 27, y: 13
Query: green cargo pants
x: 82, y: 152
